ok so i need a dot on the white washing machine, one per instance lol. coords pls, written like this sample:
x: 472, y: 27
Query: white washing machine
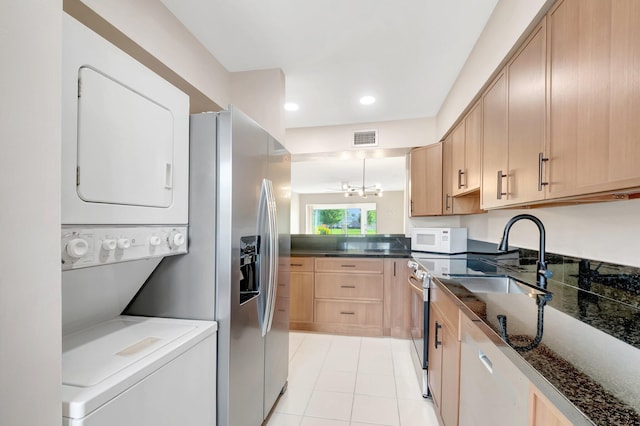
x: 132, y: 371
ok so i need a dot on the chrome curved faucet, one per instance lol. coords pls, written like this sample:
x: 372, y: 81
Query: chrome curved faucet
x: 542, y: 273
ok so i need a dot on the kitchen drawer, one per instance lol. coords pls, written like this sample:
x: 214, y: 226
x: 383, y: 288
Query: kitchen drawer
x: 348, y: 313
x: 301, y: 264
x: 349, y: 264
x: 349, y: 286
x: 446, y: 306
x: 281, y: 312
x: 296, y: 263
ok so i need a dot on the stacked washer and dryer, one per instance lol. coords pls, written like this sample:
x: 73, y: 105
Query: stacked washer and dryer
x: 125, y: 190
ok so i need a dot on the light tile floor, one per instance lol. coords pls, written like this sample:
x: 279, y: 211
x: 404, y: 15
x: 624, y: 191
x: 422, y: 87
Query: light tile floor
x: 351, y: 381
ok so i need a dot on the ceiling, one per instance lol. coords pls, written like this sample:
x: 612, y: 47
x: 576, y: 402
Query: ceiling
x: 405, y: 53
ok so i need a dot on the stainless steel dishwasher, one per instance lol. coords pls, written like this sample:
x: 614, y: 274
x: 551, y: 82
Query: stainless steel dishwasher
x: 492, y: 390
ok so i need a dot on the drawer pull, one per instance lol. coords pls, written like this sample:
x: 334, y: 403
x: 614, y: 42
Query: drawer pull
x: 282, y: 310
x: 347, y: 286
x: 347, y: 313
x: 485, y: 361
x: 296, y: 264
x: 348, y: 266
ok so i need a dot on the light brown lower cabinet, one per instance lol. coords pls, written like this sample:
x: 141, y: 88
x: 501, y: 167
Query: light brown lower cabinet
x: 542, y: 412
x: 301, y: 286
x: 346, y: 295
x: 444, y: 360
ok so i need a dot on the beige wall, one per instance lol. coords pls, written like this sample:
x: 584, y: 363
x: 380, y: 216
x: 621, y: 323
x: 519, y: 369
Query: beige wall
x: 30, y: 318
x: 389, y: 207
x: 150, y: 33
x: 257, y: 92
x: 391, y: 134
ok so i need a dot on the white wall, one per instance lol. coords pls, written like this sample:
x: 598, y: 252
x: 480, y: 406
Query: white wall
x: 389, y: 209
x: 391, y: 134
x: 603, y: 231
x: 30, y: 330
x: 261, y: 94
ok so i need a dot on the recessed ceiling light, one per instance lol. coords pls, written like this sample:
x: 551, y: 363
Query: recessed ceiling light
x: 367, y: 100
x: 291, y: 106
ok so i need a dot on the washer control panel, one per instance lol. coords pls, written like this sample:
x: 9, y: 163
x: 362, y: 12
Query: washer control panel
x: 83, y: 247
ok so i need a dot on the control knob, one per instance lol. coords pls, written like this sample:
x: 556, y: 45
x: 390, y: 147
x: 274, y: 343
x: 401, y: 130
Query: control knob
x: 176, y: 239
x: 77, y: 247
x: 109, y: 244
x: 124, y: 243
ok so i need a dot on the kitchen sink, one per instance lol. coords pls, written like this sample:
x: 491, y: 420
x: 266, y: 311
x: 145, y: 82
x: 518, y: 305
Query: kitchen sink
x: 493, y: 284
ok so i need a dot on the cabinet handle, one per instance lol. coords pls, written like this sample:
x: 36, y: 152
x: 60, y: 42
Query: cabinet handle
x: 296, y: 264
x: 347, y: 313
x: 348, y: 266
x: 347, y: 286
x: 446, y: 202
x: 500, y: 193
x: 394, y: 269
x: 460, y: 173
x: 485, y: 361
x: 541, y: 159
x: 437, y: 342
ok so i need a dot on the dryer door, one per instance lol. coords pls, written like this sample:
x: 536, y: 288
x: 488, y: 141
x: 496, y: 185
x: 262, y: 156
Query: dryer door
x: 125, y: 144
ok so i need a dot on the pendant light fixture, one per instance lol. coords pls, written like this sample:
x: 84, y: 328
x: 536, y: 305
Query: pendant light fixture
x: 364, y: 190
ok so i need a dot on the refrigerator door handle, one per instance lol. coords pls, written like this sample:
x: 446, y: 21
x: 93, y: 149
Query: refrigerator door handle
x: 273, y: 253
x: 268, y: 256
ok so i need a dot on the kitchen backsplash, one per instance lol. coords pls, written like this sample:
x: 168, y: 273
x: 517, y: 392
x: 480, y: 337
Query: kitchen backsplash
x: 603, y: 295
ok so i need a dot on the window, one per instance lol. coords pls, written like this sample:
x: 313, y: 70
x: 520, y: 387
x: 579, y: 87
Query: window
x: 342, y: 219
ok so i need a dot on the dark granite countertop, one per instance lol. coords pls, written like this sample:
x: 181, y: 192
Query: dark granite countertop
x: 581, y: 398
x: 352, y: 253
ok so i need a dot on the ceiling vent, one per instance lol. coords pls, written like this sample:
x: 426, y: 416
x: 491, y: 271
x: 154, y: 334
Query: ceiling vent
x: 365, y: 138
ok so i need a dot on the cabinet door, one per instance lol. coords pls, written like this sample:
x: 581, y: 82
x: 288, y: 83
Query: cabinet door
x: 458, y: 169
x: 301, y: 297
x: 472, y: 148
x: 494, y: 144
x: 450, y: 375
x: 426, y: 180
x: 542, y: 412
x: 526, y: 75
x: 435, y: 357
x: 399, y: 297
x: 594, y: 67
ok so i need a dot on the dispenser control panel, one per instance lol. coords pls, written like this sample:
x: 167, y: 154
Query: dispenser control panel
x: 93, y: 246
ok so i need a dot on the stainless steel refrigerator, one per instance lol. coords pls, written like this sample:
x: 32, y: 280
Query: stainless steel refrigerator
x: 238, y: 232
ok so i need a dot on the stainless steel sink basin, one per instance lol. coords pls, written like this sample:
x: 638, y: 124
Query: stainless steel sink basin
x: 493, y: 284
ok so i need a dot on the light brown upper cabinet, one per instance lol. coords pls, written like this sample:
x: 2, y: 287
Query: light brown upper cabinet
x: 514, y: 162
x: 426, y: 180
x: 465, y: 152
x: 526, y: 120
x: 594, y: 96
x: 495, y: 163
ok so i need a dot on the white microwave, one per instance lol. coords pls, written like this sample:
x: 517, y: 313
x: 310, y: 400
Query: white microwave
x: 439, y: 240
